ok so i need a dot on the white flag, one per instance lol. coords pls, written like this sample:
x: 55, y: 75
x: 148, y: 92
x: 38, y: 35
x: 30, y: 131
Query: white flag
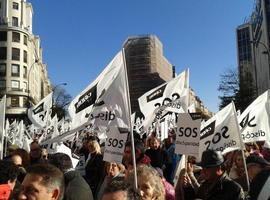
x: 254, y: 121
x: 221, y: 132
x: 12, y: 131
x: 95, y: 94
x: 112, y: 106
x: 39, y: 114
x: 2, y: 124
x: 51, y: 131
x: 20, y: 134
x: 104, y: 101
x: 171, y: 96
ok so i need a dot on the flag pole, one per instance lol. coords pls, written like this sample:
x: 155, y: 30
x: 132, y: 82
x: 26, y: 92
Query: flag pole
x: 2, y: 126
x: 129, y: 120
x: 242, y: 147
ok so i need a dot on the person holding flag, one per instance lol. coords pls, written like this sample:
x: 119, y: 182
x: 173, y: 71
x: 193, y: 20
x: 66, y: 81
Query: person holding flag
x: 217, y: 184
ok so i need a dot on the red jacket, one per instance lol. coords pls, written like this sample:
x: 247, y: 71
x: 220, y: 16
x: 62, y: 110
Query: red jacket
x: 5, y: 191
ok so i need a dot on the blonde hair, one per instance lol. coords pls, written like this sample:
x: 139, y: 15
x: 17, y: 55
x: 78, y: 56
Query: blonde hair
x: 151, y: 176
x: 95, y: 145
x: 120, y: 166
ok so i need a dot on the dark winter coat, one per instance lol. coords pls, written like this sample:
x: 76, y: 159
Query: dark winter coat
x: 158, y: 157
x: 223, y: 189
x: 94, y: 172
x: 76, y: 187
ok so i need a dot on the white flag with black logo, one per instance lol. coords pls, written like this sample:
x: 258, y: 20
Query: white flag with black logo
x: 98, y: 101
x: 221, y: 132
x: 254, y: 121
x: 112, y: 109
x: 2, y: 124
x: 96, y: 95
x: 171, y: 96
x: 39, y: 113
x: 51, y: 130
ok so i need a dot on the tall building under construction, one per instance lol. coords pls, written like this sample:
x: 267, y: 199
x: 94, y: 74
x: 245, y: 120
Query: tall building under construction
x: 146, y: 66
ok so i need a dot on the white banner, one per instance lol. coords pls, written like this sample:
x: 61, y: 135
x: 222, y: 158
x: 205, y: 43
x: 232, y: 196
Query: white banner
x: 12, y: 131
x: 254, y: 121
x: 81, y: 107
x: 64, y: 149
x: 40, y: 113
x: 188, y: 134
x: 2, y: 124
x: 111, y: 108
x: 221, y: 132
x: 115, y: 145
x: 171, y: 96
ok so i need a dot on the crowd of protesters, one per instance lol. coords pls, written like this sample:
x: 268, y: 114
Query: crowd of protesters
x: 38, y: 175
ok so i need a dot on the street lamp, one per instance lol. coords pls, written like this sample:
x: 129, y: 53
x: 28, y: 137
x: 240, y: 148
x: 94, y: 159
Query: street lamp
x: 56, y: 86
x: 28, y: 79
x: 264, y: 45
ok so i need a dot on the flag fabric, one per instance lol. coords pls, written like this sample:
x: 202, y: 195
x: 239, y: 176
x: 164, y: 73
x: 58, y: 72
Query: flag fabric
x: 255, y: 120
x: 171, y: 96
x: 103, y: 103
x: 20, y: 134
x: 51, y: 130
x: 111, y: 107
x: 81, y: 107
x: 12, y: 131
x: 2, y: 125
x: 39, y: 114
x: 221, y: 132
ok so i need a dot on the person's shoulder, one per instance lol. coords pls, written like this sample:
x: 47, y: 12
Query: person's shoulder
x: 232, y: 184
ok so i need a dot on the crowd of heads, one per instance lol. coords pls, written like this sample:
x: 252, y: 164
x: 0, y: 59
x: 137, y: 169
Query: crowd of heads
x: 39, y: 175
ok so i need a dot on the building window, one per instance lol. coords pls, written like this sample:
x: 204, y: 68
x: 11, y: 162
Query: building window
x: 25, y: 56
x: 15, y: 85
x: 15, y: 70
x: 25, y: 102
x: 15, y: 37
x: 15, y: 21
x: 15, y: 54
x: 25, y: 40
x: 2, y: 84
x: 15, y: 6
x: 2, y: 69
x: 14, y: 102
x: 25, y: 86
x: 3, y: 53
x: 24, y: 72
x: 3, y: 36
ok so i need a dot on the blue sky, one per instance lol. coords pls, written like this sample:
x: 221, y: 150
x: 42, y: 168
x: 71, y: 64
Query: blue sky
x: 80, y: 37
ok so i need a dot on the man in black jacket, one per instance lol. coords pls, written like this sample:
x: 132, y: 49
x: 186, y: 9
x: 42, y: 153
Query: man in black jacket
x: 76, y: 187
x: 217, y: 184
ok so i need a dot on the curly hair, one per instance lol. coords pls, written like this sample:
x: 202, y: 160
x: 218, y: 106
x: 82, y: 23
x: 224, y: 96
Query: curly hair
x: 152, y: 177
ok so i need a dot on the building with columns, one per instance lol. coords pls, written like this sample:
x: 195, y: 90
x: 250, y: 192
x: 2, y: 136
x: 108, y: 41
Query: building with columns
x: 23, y: 75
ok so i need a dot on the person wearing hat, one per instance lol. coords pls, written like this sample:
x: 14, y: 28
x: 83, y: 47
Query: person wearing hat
x: 255, y: 164
x: 216, y: 184
x: 259, y: 187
